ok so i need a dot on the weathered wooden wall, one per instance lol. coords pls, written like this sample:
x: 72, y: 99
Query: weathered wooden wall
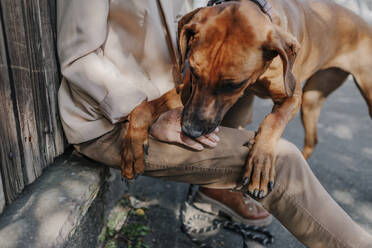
x: 30, y: 131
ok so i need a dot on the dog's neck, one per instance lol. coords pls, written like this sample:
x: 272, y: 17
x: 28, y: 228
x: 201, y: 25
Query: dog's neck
x: 264, y: 5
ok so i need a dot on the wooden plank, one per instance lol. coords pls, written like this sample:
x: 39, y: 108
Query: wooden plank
x: 21, y: 80
x: 11, y: 180
x: 44, y: 76
x: 53, y: 18
x: 2, y: 196
x: 60, y: 140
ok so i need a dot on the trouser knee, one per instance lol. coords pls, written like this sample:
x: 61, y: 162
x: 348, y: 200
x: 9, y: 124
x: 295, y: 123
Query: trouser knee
x: 289, y: 160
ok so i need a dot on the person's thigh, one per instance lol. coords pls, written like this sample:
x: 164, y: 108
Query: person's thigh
x: 220, y: 167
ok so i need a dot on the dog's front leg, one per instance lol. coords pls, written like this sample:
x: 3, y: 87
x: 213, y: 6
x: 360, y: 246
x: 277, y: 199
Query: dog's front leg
x: 135, y: 141
x: 259, y: 173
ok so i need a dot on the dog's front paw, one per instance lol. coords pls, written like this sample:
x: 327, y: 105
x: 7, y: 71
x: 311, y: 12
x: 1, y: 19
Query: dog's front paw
x: 135, y: 143
x: 259, y: 174
x: 134, y: 147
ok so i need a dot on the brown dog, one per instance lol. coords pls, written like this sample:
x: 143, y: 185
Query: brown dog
x: 235, y: 47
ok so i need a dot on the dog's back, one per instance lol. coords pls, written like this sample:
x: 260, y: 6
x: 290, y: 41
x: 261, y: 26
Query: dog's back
x: 325, y: 30
x: 335, y: 42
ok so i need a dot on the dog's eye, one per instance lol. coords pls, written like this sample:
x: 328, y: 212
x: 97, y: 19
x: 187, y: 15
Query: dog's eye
x: 231, y: 86
x: 268, y: 54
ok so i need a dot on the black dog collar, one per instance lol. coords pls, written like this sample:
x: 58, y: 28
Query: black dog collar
x: 263, y: 4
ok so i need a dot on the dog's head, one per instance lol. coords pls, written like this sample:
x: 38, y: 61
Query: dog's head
x: 225, y: 48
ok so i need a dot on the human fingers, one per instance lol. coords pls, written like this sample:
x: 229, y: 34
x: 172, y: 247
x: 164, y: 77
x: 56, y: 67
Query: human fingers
x: 210, y: 140
x: 187, y: 141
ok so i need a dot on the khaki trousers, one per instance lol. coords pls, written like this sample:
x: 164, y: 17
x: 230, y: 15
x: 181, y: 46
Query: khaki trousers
x: 298, y: 201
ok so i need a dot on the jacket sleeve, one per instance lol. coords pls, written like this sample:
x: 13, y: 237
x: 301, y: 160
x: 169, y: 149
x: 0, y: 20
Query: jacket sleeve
x: 82, y: 30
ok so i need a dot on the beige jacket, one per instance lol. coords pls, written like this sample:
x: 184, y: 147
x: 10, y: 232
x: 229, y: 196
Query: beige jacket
x: 114, y: 55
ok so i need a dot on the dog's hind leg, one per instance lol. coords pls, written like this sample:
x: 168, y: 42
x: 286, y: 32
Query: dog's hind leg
x: 361, y: 68
x: 363, y: 80
x: 315, y: 92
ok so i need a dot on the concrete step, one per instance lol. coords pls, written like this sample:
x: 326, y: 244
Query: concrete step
x: 65, y: 207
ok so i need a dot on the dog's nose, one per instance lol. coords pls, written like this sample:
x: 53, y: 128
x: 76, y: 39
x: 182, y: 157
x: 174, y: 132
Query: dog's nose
x: 192, y: 132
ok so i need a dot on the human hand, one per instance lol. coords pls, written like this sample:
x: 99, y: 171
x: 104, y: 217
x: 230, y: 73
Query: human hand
x: 168, y: 128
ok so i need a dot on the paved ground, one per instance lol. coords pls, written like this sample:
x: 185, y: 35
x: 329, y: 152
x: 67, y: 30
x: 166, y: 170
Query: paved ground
x: 342, y: 162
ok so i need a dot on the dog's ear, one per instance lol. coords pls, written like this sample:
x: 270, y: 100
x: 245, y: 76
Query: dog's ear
x: 286, y: 46
x: 187, y: 88
x: 184, y: 89
x: 184, y: 34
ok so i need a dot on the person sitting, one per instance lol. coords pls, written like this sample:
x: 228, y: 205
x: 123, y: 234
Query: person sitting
x: 116, y: 54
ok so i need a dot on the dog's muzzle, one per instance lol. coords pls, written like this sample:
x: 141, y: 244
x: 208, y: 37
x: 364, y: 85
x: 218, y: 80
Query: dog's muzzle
x: 194, y: 126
